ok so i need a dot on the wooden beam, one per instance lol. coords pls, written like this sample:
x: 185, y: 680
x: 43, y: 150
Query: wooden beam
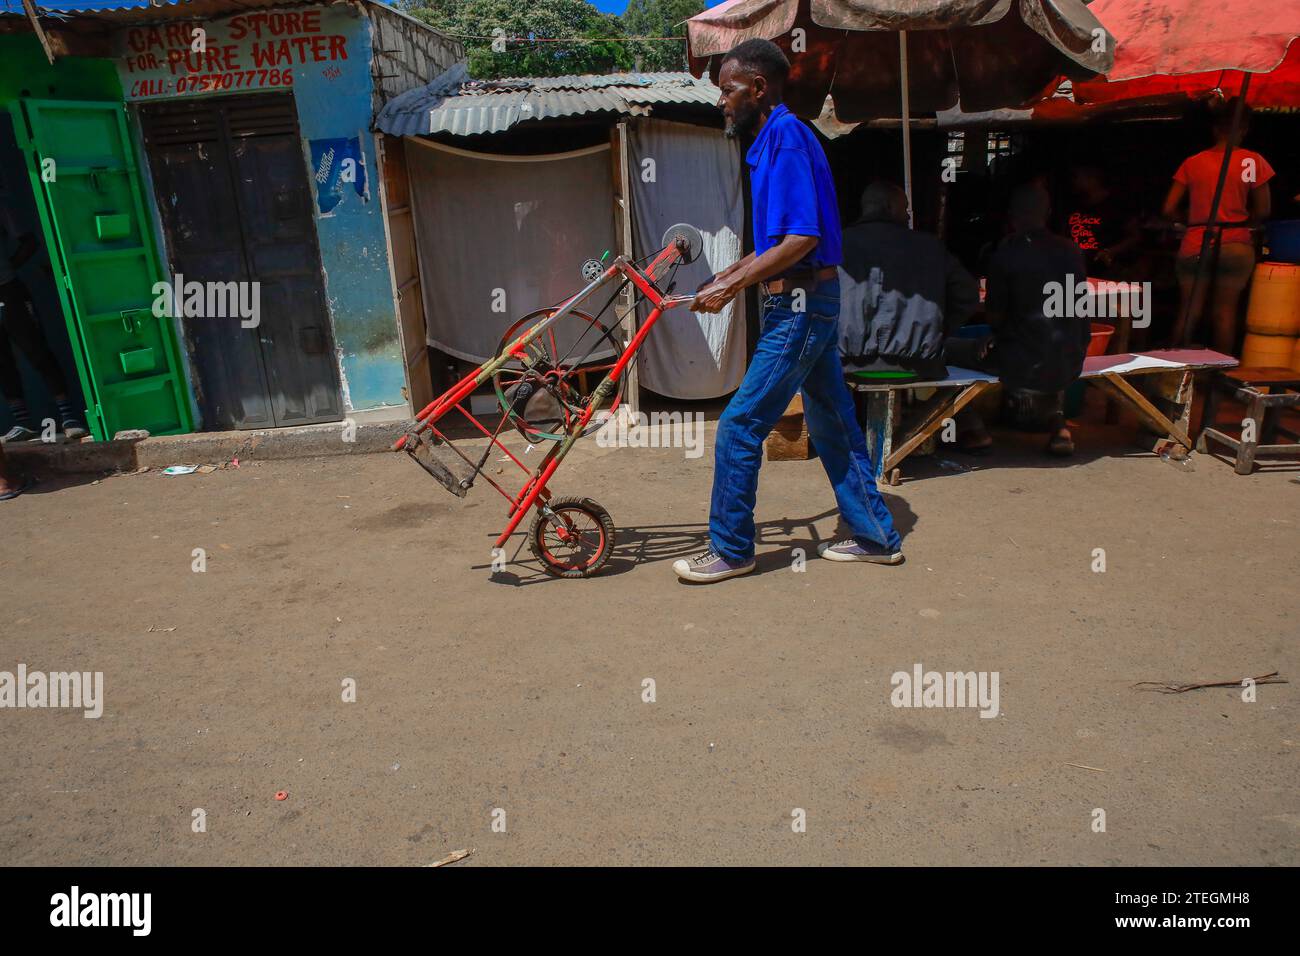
x: 1144, y: 408
x: 934, y: 420
x: 29, y: 7
x: 623, y: 208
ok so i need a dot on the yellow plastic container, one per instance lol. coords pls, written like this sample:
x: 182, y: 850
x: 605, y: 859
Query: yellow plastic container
x: 1268, y: 351
x: 1295, y: 356
x: 1274, y: 300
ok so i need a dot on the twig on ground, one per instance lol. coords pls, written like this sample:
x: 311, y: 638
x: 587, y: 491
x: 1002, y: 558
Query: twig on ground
x: 1164, y: 687
x: 454, y: 857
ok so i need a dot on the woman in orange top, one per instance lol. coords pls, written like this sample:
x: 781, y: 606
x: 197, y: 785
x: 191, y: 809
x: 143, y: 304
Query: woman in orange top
x: 1245, y: 200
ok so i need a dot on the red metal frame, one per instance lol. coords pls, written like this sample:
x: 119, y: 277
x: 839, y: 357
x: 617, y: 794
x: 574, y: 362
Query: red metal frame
x: 535, y: 492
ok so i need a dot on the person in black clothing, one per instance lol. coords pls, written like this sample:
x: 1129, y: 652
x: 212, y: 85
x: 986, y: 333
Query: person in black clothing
x: 1037, y: 345
x: 20, y: 328
x: 901, y: 291
x: 1101, y: 224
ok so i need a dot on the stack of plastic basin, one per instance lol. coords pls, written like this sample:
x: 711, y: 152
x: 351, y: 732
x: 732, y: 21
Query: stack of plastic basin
x: 1101, y: 333
x: 1273, y: 317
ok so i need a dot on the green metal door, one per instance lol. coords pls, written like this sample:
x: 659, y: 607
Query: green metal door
x: 101, y: 247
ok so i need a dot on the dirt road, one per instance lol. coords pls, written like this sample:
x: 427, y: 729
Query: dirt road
x: 513, y: 692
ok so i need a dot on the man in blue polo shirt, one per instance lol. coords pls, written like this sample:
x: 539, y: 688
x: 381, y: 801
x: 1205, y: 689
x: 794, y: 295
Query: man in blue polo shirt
x: 796, y: 250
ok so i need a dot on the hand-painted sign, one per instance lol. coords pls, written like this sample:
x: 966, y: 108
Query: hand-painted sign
x: 337, y: 164
x: 246, y: 52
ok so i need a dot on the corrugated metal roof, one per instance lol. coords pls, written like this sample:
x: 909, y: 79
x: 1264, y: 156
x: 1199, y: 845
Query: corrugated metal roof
x: 78, y: 6
x: 453, y: 104
x: 706, y: 94
x: 594, y: 81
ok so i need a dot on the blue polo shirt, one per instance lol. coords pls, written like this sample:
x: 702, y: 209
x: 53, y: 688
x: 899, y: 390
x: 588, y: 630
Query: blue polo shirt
x: 792, y: 193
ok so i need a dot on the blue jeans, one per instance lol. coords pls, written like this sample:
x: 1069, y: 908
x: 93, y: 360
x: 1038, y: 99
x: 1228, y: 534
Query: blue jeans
x: 797, y: 352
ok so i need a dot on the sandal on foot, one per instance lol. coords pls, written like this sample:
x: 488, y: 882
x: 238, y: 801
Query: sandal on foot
x: 22, y: 486
x: 1062, y: 446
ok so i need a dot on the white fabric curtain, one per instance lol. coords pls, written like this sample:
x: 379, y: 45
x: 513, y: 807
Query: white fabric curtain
x: 693, y: 176
x: 521, y: 226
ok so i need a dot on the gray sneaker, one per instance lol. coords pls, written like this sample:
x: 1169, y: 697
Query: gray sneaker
x: 73, y: 429
x: 17, y: 433
x: 710, y: 566
x: 851, y: 550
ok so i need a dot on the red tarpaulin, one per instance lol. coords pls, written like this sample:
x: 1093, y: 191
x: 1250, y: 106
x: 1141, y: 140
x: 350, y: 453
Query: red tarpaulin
x: 1193, y: 47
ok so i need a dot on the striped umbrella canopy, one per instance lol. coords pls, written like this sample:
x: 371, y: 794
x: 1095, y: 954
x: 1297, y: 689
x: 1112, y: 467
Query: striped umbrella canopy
x: 989, y: 53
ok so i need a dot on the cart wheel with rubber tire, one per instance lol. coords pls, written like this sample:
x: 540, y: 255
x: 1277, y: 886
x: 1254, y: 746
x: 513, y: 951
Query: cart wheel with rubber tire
x: 544, y: 396
x: 573, y: 537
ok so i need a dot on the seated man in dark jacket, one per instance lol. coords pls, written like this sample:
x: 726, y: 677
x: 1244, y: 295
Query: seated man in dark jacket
x: 1036, y: 349
x: 901, y: 291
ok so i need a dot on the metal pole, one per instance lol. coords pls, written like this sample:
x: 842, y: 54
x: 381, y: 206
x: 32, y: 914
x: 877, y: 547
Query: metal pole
x: 907, y: 126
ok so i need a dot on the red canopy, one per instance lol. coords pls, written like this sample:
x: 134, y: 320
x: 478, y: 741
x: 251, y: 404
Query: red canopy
x: 1194, y: 47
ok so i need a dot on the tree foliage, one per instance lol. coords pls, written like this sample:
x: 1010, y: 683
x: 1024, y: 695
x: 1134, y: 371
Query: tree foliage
x: 659, y: 18
x: 560, y: 19
x: 567, y: 19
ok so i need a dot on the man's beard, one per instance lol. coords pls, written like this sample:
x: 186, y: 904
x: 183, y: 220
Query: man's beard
x: 745, y: 123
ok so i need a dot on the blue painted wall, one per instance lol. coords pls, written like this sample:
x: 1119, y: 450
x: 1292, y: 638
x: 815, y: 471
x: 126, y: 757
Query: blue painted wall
x: 353, y: 250
x: 328, y: 49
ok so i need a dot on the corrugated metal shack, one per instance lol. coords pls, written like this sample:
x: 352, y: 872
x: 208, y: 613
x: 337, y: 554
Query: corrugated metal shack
x: 529, y: 121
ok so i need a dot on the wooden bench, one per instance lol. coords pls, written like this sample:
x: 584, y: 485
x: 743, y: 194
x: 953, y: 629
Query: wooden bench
x: 1264, y: 392
x: 1165, y: 407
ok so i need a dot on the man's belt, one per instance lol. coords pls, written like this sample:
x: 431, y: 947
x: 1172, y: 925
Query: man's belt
x: 784, y: 285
